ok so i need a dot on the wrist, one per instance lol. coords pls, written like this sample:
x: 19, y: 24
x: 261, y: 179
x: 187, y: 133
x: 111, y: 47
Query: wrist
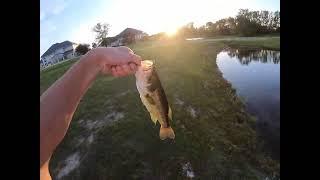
x: 100, y: 55
x: 91, y: 63
x: 97, y: 58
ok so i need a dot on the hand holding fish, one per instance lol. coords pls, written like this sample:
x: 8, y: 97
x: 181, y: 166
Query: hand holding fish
x: 59, y: 102
x: 119, y: 61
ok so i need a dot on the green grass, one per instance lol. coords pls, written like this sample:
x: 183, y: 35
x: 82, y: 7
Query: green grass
x: 218, y: 142
x: 272, y: 43
x: 49, y: 75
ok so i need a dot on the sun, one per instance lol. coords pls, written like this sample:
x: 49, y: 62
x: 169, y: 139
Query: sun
x: 171, y: 31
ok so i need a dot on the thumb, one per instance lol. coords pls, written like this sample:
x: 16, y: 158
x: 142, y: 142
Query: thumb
x: 106, y: 69
x: 136, y: 59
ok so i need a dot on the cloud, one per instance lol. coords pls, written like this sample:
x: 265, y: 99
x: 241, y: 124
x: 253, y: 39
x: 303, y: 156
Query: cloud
x: 42, y: 16
x: 49, y: 8
x: 83, y: 33
x: 43, y: 45
x: 47, y: 27
x: 59, y: 6
x: 52, y: 7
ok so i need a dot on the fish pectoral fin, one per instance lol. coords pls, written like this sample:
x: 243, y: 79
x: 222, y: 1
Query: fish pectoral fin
x: 153, y: 118
x: 150, y: 108
x: 170, y: 113
x: 166, y: 133
x: 150, y: 99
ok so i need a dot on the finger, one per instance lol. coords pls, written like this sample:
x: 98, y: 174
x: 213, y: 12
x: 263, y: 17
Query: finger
x: 114, y: 71
x: 136, y: 59
x: 120, y: 72
x: 126, y: 68
x: 125, y: 49
x: 106, y: 69
x: 133, y: 67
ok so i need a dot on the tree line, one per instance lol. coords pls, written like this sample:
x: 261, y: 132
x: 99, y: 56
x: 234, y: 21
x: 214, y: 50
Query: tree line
x: 246, y: 23
x: 245, y: 56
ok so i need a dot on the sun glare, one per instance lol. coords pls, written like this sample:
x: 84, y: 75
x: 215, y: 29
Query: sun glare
x: 171, y: 32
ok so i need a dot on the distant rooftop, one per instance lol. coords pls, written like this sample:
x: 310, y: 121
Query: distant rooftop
x: 129, y: 31
x: 56, y: 46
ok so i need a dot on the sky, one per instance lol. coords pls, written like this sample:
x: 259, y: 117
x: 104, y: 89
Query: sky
x: 73, y: 20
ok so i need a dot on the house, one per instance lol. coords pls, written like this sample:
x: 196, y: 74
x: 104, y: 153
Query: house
x: 133, y: 34
x: 58, y: 52
x: 127, y: 36
x: 118, y: 42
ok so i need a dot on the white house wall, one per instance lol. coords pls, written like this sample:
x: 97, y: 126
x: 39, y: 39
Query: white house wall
x: 59, y: 51
x: 70, y: 55
x: 58, y: 55
x: 69, y: 48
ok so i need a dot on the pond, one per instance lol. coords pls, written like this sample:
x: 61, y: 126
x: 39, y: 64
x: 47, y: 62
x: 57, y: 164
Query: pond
x: 193, y: 39
x: 255, y: 74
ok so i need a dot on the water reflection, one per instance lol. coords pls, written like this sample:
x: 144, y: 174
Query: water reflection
x: 193, y: 39
x: 255, y: 74
x: 246, y: 55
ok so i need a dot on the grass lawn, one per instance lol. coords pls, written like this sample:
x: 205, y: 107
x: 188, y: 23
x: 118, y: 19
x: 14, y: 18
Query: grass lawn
x: 112, y: 137
x: 272, y: 43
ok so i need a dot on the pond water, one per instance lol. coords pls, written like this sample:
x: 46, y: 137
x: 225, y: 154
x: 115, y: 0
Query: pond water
x: 255, y: 74
x: 193, y: 39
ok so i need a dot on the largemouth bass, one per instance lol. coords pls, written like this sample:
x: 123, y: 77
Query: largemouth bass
x: 154, y: 98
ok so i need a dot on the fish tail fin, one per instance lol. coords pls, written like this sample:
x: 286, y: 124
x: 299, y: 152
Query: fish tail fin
x: 166, y: 133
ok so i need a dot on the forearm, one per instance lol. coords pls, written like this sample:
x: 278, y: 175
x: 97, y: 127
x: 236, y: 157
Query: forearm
x: 60, y: 101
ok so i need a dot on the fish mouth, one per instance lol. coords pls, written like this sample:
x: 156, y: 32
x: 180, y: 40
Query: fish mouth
x: 146, y: 65
x: 146, y: 68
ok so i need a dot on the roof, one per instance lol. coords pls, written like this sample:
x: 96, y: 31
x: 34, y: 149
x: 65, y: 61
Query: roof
x: 56, y: 46
x: 124, y: 33
x: 129, y: 31
x: 67, y: 52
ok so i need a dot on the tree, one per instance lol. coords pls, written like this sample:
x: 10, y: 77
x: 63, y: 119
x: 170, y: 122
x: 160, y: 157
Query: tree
x: 82, y: 49
x: 101, y: 31
x: 94, y: 45
x: 211, y: 28
x: 221, y: 26
x: 265, y: 18
x: 255, y: 17
x: 232, y: 25
x: 245, y: 23
x: 276, y: 21
x: 107, y: 41
x: 201, y: 31
x: 226, y: 26
x: 187, y: 31
x: 209, y: 24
